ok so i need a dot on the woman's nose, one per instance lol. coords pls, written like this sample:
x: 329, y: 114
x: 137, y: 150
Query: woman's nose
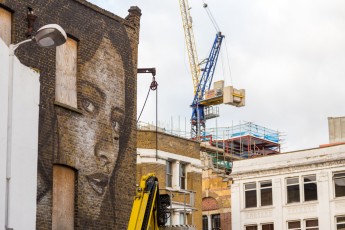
x: 105, y: 153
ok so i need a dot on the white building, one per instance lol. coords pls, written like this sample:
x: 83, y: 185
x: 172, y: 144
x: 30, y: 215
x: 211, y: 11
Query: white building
x: 18, y: 167
x: 302, y: 190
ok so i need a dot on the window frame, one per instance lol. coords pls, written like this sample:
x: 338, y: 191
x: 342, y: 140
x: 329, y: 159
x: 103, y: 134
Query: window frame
x: 251, y: 225
x: 301, y: 185
x: 291, y: 221
x: 260, y: 188
x: 270, y: 223
x: 169, y: 174
x: 306, y: 183
x: 183, y: 176
x: 258, y: 193
x: 293, y: 184
x: 333, y: 181
x: 248, y: 190
x: 303, y: 224
x: 311, y: 227
x: 204, y: 222
x: 215, y: 221
x: 336, y: 220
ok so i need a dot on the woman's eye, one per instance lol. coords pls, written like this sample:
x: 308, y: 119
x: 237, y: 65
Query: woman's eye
x: 89, y: 106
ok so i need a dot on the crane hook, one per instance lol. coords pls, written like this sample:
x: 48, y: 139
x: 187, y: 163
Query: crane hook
x: 154, y: 84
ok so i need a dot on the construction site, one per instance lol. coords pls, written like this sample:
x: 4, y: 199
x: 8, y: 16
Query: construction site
x: 84, y: 145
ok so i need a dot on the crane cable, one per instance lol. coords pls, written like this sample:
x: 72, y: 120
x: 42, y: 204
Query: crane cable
x: 153, y: 87
x: 215, y: 25
x: 210, y: 15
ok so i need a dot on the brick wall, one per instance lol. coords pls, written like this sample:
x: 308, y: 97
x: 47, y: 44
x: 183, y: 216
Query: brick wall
x: 95, y: 139
x: 168, y: 143
x: 217, y: 197
x: 225, y: 221
x: 194, y: 183
x: 209, y: 203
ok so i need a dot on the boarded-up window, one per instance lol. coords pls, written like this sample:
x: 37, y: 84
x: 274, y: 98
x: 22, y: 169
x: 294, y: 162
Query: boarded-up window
x: 66, y: 73
x: 63, y: 198
x: 5, y: 26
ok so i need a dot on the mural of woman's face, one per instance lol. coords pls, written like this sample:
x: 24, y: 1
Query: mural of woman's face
x: 95, y: 134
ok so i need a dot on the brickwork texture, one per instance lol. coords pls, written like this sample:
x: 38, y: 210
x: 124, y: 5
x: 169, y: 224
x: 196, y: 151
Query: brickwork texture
x: 216, y: 197
x: 98, y: 138
x: 168, y: 143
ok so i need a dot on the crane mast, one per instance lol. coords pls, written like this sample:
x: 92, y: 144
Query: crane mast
x: 190, y: 42
x: 201, y: 83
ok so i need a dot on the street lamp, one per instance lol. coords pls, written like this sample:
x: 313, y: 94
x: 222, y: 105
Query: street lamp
x: 48, y: 36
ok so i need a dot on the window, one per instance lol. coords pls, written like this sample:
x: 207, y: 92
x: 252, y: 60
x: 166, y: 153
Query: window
x: 266, y: 193
x: 183, y: 218
x: 168, y: 174
x: 340, y: 222
x: 292, y: 190
x: 267, y: 227
x: 312, y: 224
x: 66, y: 73
x: 339, y: 184
x: 5, y: 26
x: 308, y: 191
x: 63, y: 197
x: 204, y: 222
x: 250, y: 195
x: 294, y: 225
x: 183, y: 176
x: 252, y: 227
x: 215, y: 222
x: 310, y: 188
x: 263, y: 227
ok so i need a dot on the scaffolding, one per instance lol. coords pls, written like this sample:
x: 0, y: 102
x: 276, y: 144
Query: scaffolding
x: 245, y: 140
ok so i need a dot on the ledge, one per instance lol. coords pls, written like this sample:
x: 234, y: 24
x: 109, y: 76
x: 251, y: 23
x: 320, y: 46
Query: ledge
x: 62, y: 105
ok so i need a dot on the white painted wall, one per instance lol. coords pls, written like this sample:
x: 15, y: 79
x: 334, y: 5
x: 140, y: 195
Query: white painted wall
x: 323, y: 162
x: 23, y: 185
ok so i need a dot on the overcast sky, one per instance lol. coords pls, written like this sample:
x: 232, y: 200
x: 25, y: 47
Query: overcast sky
x: 288, y: 55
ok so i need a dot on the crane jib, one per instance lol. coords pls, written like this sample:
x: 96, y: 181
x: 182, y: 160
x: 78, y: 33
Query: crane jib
x: 207, y: 76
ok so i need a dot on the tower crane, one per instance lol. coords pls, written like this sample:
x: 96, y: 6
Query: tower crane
x: 201, y: 82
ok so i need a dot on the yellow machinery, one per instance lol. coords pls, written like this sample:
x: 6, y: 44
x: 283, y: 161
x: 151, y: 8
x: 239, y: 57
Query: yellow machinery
x: 149, y: 210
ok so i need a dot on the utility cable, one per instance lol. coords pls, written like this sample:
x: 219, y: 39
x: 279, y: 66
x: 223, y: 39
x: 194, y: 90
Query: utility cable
x: 153, y: 87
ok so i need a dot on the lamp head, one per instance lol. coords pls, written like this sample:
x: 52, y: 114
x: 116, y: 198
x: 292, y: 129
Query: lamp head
x: 50, y: 35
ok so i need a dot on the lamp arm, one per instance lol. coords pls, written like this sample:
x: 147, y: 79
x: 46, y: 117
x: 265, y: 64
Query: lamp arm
x: 13, y: 47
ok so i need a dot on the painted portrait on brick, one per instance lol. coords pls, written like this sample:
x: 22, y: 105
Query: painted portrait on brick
x: 87, y: 143
x: 93, y: 139
x: 95, y: 134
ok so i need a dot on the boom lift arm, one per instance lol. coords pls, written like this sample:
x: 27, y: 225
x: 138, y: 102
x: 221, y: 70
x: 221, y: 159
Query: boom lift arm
x: 149, y: 208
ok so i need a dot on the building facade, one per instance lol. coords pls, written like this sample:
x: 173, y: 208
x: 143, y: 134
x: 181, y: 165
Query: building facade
x: 216, y: 202
x: 297, y: 190
x: 87, y: 110
x: 177, y: 165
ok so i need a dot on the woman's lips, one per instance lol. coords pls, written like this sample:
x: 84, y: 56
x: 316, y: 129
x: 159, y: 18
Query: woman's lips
x: 98, y: 182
